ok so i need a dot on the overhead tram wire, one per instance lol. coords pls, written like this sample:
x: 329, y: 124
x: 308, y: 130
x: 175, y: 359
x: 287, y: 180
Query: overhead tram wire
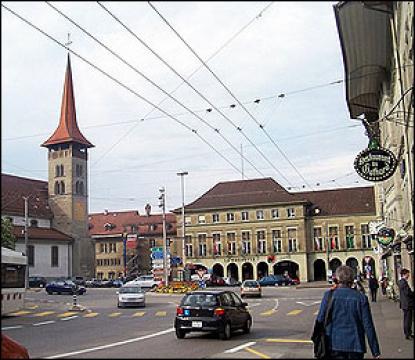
x: 196, y: 91
x: 216, y: 130
x: 194, y: 72
x: 231, y: 93
x: 121, y: 84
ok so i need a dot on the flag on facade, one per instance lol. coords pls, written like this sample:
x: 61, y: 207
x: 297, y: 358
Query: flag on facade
x: 317, y: 244
x: 132, y: 241
x: 333, y: 243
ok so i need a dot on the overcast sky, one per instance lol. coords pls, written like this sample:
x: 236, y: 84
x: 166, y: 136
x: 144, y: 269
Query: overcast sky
x: 269, y: 50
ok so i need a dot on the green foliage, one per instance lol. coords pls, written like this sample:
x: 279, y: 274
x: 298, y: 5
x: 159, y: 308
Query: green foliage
x: 7, y: 238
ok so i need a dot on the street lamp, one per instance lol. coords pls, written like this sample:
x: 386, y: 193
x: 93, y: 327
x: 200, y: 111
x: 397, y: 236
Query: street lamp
x: 26, y: 238
x: 162, y: 204
x: 182, y: 174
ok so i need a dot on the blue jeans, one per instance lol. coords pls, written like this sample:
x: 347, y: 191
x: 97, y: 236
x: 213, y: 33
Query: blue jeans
x: 345, y: 355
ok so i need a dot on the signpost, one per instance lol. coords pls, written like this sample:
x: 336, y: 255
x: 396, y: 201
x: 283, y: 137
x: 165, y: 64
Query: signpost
x: 157, y: 262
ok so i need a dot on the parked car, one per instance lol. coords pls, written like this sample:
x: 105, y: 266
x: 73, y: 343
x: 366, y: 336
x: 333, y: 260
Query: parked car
x: 64, y: 287
x: 215, y: 281
x: 294, y: 281
x: 218, y: 311
x: 251, y: 288
x: 230, y: 281
x: 144, y: 281
x: 131, y: 295
x: 274, y: 280
x: 116, y: 283
x: 37, y: 281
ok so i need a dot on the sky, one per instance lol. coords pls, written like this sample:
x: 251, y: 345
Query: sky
x: 287, y: 55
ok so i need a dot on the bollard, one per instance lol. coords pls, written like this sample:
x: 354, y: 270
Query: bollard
x: 75, y: 301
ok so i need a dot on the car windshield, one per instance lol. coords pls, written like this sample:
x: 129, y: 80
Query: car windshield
x: 200, y: 300
x: 130, y: 290
x: 250, y: 284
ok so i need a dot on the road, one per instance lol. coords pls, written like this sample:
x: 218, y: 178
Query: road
x: 282, y: 323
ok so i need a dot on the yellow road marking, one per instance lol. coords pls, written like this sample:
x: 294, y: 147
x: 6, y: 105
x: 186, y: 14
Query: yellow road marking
x: 32, y: 307
x: 92, y: 314
x: 257, y: 353
x: 139, y: 313
x: 269, y: 312
x: 65, y: 314
x: 21, y: 312
x: 114, y: 314
x: 289, y: 341
x: 295, y: 312
x: 44, y: 313
x: 161, y: 313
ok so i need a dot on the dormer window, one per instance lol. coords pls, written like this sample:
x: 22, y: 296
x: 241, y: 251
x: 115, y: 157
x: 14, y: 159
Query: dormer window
x: 109, y: 226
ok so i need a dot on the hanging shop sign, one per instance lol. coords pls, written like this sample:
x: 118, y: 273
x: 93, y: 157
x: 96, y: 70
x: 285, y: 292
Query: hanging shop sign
x: 375, y: 164
x: 385, y: 236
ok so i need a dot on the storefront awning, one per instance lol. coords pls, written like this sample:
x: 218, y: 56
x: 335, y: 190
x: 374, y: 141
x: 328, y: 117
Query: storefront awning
x: 365, y: 40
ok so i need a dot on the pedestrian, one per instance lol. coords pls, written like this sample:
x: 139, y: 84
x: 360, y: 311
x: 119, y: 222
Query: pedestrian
x: 406, y: 296
x: 350, y: 319
x: 373, y: 286
x: 384, y: 284
x: 357, y: 285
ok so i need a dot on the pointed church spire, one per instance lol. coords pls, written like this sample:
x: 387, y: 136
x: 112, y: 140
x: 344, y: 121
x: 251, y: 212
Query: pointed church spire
x: 67, y: 130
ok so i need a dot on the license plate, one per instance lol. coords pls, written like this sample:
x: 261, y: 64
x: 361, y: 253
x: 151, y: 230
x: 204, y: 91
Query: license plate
x: 196, y: 324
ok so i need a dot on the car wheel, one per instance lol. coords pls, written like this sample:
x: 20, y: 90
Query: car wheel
x: 50, y: 292
x: 180, y: 334
x: 59, y: 293
x: 247, y: 327
x: 225, y: 334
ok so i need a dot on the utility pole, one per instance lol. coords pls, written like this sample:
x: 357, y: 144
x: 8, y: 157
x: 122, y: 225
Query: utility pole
x: 26, y: 238
x: 328, y: 253
x: 162, y: 204
x: 182, y: 174
x: 242, y: 163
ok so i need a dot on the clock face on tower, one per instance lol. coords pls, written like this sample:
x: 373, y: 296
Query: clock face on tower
x: 80, y: 210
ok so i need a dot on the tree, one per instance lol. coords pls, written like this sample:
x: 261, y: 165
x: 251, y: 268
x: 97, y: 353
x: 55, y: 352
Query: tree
x: 8, y: 240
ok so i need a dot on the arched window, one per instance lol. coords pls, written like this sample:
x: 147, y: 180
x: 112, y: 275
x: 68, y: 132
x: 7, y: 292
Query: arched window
x: 62, y: 187
x: 57, y: 188
x: 57, y: 170
x: 62, y: 171
x: 77, y: 185
x: 81, y: 187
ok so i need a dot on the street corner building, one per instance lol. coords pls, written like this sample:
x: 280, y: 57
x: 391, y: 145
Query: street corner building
x: 248, y: 229
x: 124, y: 239
x: 376, y: 39
x: 58, y: 241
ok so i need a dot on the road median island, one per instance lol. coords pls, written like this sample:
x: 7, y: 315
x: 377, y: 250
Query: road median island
x: 176, y: 287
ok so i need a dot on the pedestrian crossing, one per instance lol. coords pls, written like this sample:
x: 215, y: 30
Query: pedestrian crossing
x: 137, y: 314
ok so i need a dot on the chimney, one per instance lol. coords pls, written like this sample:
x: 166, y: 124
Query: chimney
x: 106, y: 212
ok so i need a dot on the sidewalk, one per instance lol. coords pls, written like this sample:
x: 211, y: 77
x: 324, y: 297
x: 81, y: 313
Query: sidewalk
x: 388, y: 319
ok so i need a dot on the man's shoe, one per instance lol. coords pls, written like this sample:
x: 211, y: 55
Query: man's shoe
x: 409, y: 337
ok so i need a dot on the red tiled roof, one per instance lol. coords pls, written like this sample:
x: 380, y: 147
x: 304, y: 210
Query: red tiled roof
x: 67, y: 130
x: 242, y: 193
x: 267, y: 191
x: 40, y: 233
x: 123, y: 221
x: 13, y: 188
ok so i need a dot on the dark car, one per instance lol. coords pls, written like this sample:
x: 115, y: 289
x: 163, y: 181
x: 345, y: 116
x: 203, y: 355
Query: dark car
x: 215, y: 281
x: 64, y: 287
x: 273, y: 280
x: 218, y: 311
x: 37, y: 281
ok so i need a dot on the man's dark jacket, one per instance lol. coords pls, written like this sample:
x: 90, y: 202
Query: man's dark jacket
x: 406, y: 295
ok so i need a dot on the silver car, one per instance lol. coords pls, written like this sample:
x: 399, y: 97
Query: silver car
x: 131, y: 296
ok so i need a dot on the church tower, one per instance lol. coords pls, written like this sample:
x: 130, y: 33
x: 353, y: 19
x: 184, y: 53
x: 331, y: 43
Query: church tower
x: 68, y: 182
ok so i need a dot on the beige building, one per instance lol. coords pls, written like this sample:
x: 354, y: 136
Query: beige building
x: 111, y: 230
x: 377, y: 45
x: 251, y: 228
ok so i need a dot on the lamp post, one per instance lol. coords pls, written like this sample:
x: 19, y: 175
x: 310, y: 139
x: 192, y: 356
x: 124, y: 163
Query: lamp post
x: 26, y: 238
x: 162, y: 204
x: 182, y: 174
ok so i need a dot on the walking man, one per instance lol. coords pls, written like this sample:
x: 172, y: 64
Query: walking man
x: 406, y: 296
x: 373, y: 286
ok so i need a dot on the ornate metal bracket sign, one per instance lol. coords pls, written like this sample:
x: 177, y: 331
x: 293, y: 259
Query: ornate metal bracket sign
x: 385, y: 236
x: 375, y: 164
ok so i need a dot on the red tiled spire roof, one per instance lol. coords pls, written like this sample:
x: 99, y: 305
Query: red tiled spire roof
x: 67, y: 130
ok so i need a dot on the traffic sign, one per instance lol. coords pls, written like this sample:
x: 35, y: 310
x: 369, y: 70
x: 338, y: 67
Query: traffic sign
x: 156, y: 249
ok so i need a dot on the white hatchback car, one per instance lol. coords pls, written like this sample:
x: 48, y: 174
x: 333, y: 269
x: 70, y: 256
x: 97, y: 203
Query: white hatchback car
x: 131, y: 296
